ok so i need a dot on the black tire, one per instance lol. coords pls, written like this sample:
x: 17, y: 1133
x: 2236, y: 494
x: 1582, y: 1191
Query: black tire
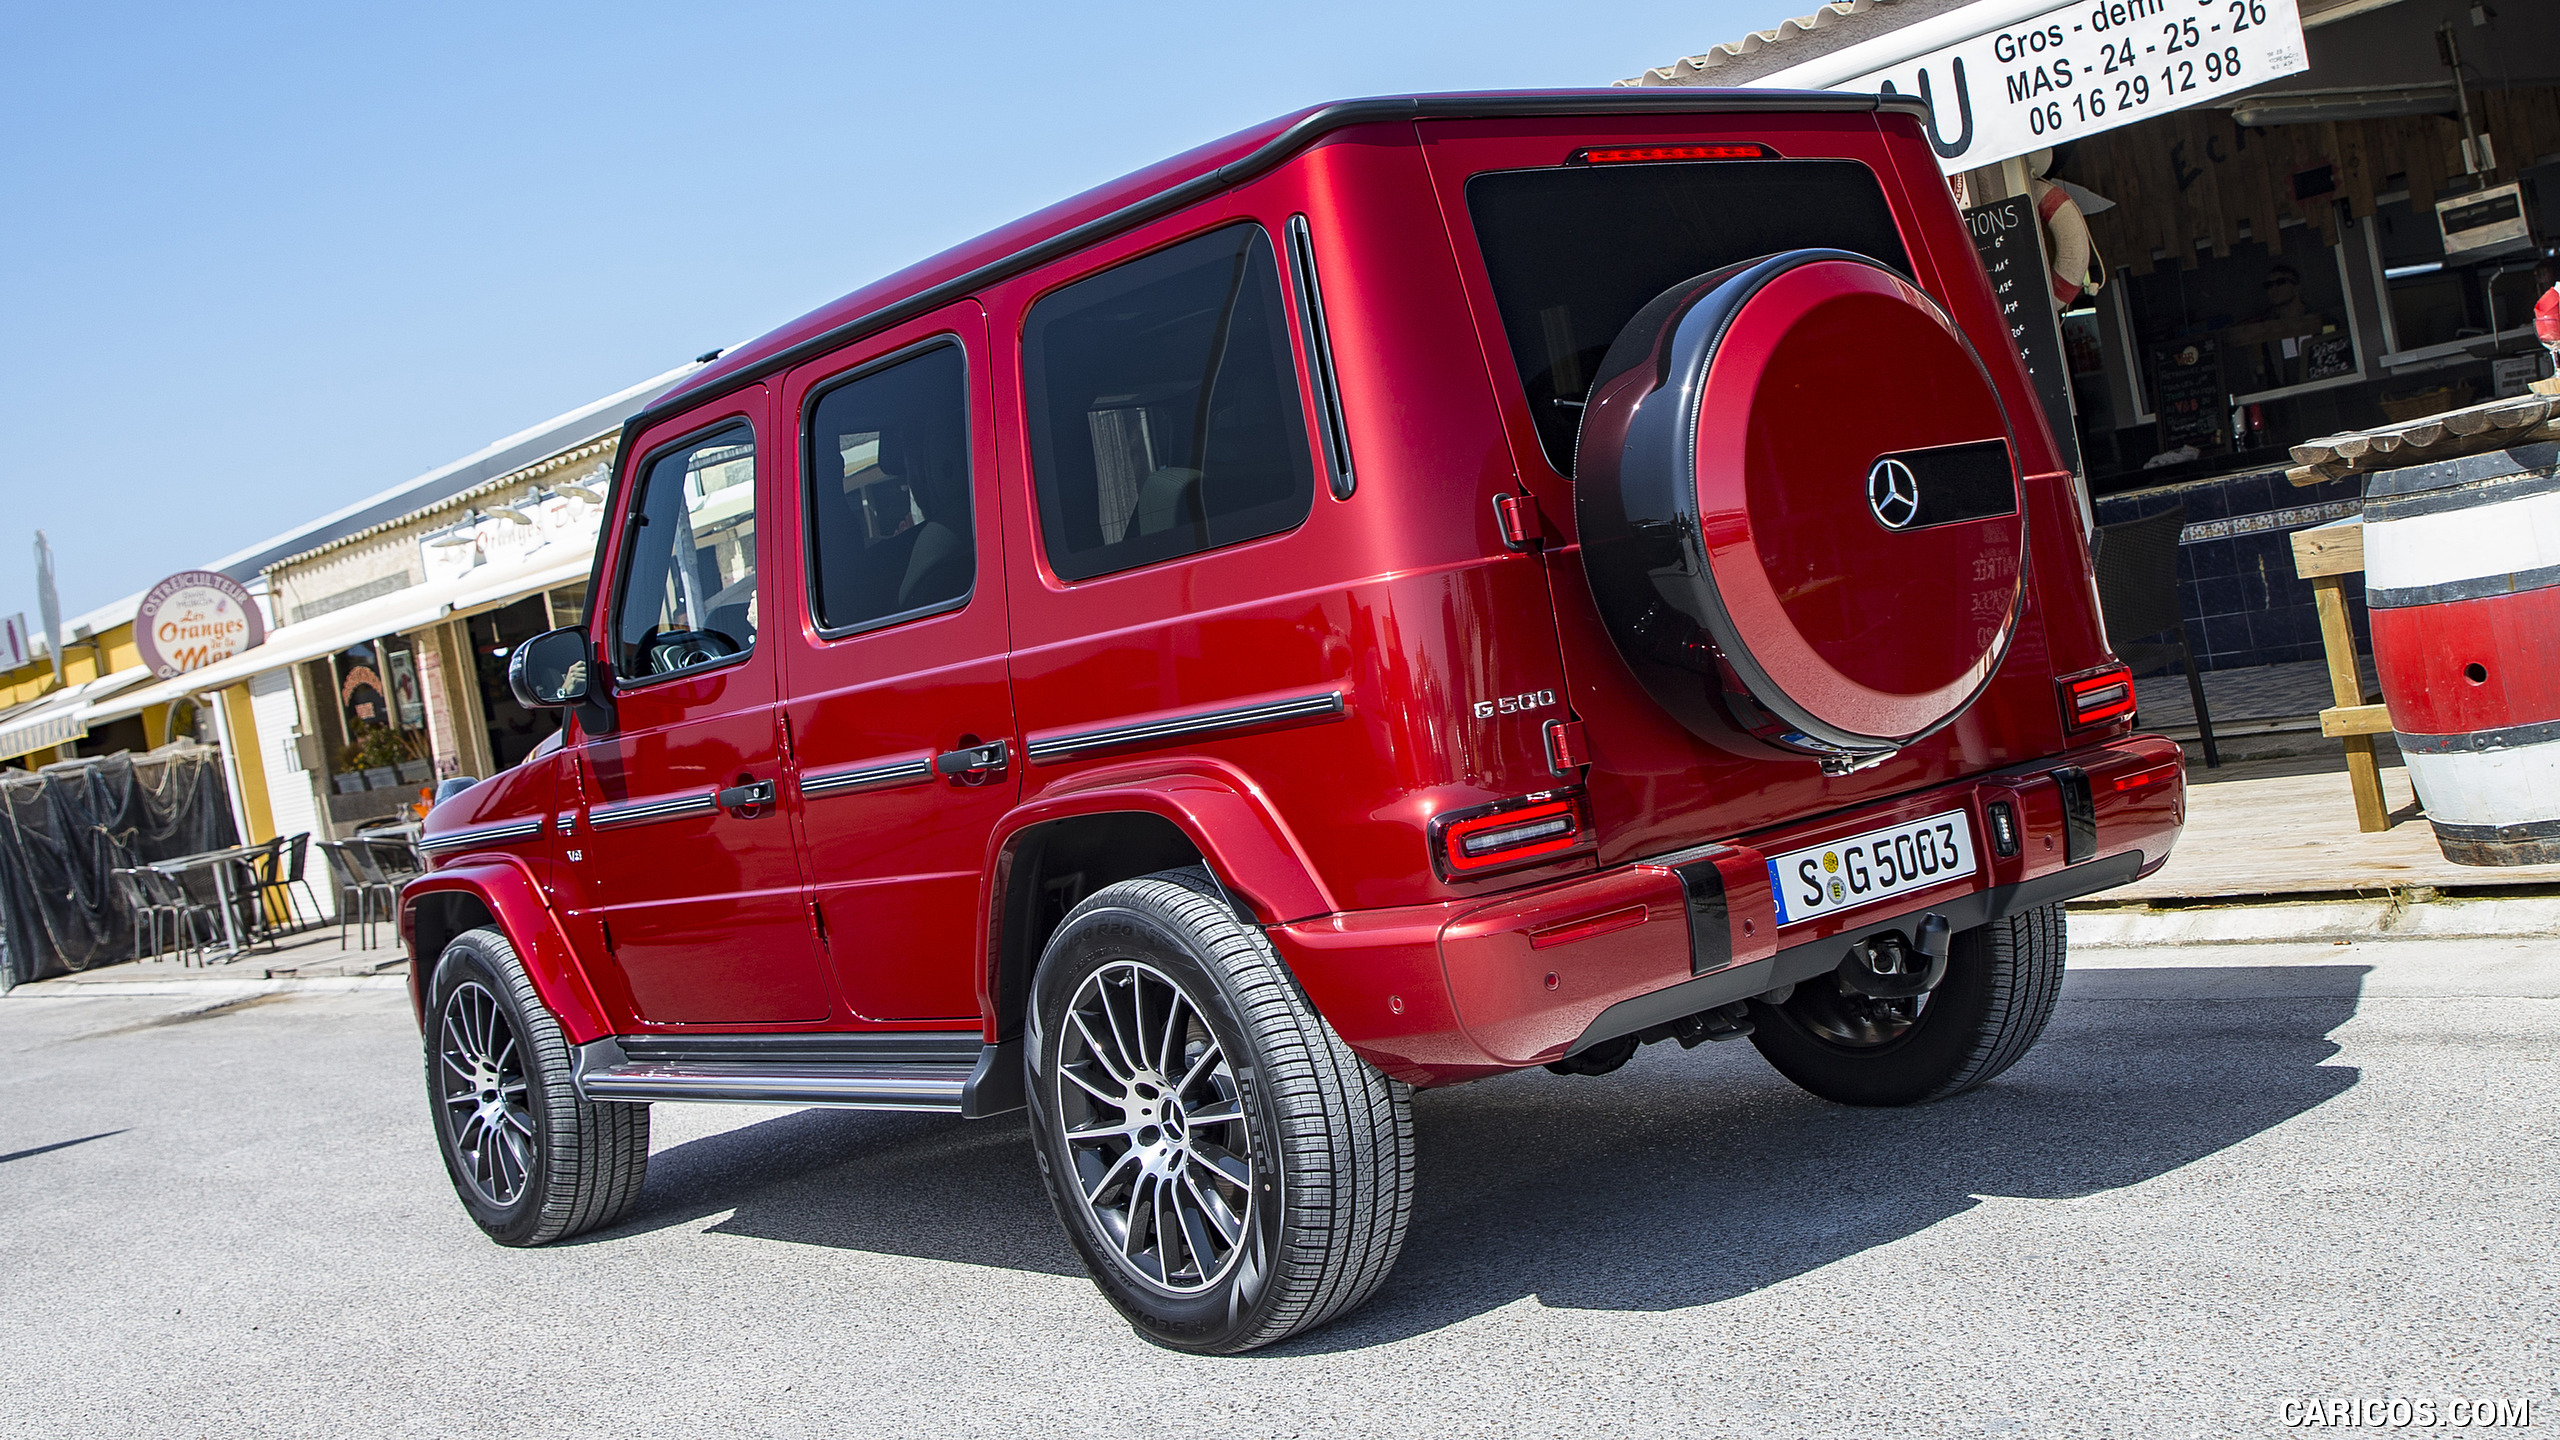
x: 1325, y: 1177
x: 531, y: 1170
x: 2002, y: 981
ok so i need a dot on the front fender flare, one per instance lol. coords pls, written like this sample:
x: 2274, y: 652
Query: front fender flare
x: 505, y: 886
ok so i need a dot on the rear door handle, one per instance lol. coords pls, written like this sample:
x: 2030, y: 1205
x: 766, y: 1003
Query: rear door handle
x: 976, y: 760
x: 749, y: 797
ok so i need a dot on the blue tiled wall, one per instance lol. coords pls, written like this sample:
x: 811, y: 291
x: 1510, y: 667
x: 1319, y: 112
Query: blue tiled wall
x: 2243, y: 603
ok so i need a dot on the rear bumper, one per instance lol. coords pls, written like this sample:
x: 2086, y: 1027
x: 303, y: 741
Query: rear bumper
x: 1434, y: 994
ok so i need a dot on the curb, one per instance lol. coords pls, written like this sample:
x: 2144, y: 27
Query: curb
x: 2536, y: 917
x: 209, y: 989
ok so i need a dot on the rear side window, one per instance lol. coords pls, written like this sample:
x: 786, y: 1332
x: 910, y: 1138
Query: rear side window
x: 1164, y: 407
x: 688, y: 593
x: 889, y: 527
x: 1575, y: 252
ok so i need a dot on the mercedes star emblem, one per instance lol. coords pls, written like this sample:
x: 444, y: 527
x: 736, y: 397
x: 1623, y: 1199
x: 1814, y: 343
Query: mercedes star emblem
x: 1893, y: 492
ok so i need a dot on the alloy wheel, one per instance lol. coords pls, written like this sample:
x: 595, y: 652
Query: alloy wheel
x: 1154, y: 1124
x: 481, y: 1066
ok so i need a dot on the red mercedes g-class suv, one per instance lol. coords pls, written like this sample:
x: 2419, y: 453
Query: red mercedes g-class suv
x: 1423, y: 588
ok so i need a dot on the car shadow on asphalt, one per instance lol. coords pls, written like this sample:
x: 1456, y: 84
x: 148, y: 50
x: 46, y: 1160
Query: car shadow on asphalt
x: 1684, y: 1179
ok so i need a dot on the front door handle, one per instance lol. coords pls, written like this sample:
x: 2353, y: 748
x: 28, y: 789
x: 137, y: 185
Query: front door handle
x: 745, y: 800
x: 975, y: 760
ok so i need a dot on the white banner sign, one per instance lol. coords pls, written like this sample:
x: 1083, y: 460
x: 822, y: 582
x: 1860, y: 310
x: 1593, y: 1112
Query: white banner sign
x: 2090, y: 66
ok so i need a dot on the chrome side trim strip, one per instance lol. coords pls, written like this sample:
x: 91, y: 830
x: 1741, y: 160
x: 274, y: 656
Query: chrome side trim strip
x: 633, y: 812
x: 499, y: 833
x: 814, y: 783
x: 1059, y: 747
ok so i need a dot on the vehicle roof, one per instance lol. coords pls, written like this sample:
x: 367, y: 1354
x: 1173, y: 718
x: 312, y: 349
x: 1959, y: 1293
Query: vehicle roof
x: 1169, y: 184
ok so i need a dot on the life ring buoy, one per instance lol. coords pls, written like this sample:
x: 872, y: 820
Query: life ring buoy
x: 2066, y: 231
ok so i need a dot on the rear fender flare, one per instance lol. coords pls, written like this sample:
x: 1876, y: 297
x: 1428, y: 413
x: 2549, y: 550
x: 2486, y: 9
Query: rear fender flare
x: 504, y: 886
x: 1224, y: 815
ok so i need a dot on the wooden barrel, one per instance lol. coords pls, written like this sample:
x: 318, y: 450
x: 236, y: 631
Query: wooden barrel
x: 2462, y: 575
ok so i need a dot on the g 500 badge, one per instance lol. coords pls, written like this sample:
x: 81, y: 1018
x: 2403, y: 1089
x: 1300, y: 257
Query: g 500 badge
x: 1520, y: 704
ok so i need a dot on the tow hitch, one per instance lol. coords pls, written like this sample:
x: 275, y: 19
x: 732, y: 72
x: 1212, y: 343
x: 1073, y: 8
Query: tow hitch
x: 1885, y: 967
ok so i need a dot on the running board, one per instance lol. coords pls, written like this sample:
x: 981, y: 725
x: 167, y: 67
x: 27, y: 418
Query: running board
x: 948, y: 1074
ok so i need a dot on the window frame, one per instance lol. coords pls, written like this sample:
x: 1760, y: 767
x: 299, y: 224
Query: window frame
x: 809, y: 402
x: 626, y: 549
x: 1319, y: 470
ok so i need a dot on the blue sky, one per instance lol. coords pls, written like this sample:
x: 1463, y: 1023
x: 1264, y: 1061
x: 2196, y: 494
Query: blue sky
x: 260, y: 261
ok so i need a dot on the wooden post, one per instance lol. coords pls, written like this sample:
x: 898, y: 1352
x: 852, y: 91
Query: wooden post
x: 2325, y: 555
x: 2338, y: 638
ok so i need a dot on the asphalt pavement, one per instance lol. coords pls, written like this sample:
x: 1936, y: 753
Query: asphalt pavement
x: 2229, y: 1177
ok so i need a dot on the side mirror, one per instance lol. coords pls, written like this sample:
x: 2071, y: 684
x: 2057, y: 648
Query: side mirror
x: 549, y: 671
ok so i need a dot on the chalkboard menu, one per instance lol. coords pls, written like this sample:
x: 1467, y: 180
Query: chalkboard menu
x: 2188, y: 395
x: 2011, y: 243
x: 2326, y: 357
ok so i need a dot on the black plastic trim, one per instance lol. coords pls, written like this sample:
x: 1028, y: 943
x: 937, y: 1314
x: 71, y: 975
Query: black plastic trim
x: 492, y: 834
x: 1816, y: 958
x: 1326, y: 706
x: 1710, y: 916
x: 1319, y: 345
x: 2079, y: 814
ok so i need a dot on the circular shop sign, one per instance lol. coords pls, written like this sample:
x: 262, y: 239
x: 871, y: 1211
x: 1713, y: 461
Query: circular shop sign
x: 193, y: 619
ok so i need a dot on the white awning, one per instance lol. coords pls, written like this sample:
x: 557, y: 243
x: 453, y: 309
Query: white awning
x: 61, y: 717
x: 393, y: 614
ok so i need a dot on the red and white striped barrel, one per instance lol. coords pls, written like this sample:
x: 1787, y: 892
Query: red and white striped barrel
x: 2462, y: 575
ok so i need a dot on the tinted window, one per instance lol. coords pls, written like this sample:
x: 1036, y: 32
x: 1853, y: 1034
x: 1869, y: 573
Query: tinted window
x: 688, y: 593
x: 889, y: 531
x: 1164, y: 407
x: 1575, y: 252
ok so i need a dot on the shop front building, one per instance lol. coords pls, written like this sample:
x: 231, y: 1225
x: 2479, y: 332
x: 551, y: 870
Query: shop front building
x: 2355, y: 241
x: 381, y: 663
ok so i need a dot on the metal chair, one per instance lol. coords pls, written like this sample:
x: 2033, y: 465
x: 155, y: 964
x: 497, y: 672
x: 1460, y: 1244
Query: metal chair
x: 280, y: 869
x: 2137, y: 564
x: 361, y: 887
x: 186, y: 912
x: 149, y: 912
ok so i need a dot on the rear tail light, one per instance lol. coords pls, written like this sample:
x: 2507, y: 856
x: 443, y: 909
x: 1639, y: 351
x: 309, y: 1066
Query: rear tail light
x: 1642, y: 154
x: 1509, y: 834
x: 2097, y: 697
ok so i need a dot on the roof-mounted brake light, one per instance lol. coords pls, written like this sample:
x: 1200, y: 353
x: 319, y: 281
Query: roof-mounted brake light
x: 1641, y: 154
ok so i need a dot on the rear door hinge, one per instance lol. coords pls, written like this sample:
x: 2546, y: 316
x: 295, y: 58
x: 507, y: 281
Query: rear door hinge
x: 1567, y: 750
x: 1516, y: 516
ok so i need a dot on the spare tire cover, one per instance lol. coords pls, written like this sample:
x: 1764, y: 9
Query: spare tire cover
x: 1799, y: 507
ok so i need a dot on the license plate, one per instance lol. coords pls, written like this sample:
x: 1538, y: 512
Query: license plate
x: 1862, y: 869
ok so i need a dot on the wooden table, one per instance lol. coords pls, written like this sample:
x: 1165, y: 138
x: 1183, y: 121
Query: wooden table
x: 2325, y: 555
